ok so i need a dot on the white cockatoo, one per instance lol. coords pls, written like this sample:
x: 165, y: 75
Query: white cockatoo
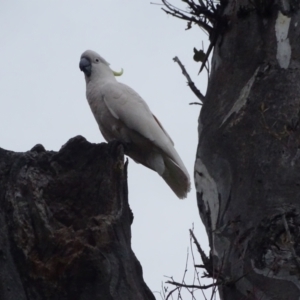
x: 124, y: 116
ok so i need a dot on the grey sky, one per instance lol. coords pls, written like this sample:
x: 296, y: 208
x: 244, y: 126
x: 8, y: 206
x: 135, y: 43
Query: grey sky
x: 43, y: 101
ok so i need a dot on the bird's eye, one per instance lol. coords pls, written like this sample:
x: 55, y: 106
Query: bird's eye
x: 97, y: 60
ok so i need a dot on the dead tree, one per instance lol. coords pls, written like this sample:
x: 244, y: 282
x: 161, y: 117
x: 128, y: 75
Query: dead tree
x: 247, y: 169
x: 65, y: 225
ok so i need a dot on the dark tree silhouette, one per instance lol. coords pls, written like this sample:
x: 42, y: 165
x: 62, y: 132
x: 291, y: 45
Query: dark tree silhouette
x: 65, y: 225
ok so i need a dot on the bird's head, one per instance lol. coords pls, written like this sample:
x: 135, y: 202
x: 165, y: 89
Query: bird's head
x: 91, y: 63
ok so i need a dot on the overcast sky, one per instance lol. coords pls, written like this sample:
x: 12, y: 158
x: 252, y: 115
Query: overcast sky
x: 43, y: 101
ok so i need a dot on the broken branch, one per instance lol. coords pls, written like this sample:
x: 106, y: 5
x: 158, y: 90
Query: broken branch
x: 191, y: 84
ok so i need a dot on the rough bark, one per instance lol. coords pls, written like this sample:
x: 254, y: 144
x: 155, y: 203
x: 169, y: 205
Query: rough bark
x: 65, y: 225
x: 247, y: 169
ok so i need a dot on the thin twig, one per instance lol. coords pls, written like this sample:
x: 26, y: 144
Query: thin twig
x: 210, y: 47
x: 186, y: 267
x: 179, y: 15
x: 195, y: 103
x: 191, y: 84
x: 171, y: 292
x: 204, y: 257
x: 202, y: 15
x: 195, y: 269
x: 185, y: 271
x: 202, y: 287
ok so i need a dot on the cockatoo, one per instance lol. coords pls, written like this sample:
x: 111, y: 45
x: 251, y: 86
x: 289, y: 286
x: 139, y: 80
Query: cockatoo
x: 124, y: 116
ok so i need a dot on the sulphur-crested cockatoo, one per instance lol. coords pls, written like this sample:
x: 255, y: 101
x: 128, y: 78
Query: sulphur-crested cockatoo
x: 124, y: 116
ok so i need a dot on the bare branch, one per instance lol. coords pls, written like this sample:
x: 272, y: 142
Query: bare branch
x: 202, y: 14
x: 204, y: 257
x: 182, y: 16
x: 212, y: 44
x: 201, y: 287
x: 196, y: 273
x: 206, y: 15
x: 171, y: 292
x: 191, y: 84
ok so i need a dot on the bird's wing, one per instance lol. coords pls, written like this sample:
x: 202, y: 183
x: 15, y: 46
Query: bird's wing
x: 125, y: 104
x: 162, y: 128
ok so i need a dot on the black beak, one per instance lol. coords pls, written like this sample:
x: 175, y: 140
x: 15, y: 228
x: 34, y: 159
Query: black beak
x: 85, y: 66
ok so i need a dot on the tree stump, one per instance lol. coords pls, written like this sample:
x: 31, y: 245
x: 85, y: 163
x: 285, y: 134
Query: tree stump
x: 65, y: 225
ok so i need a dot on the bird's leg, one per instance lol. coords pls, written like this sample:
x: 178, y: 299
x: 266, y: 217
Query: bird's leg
x: 118, y: 147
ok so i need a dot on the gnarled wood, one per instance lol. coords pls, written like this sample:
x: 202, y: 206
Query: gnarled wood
x: 247, y: 169
x: 65, y: 225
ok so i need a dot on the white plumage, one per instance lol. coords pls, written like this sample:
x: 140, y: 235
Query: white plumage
x: 124, y: 116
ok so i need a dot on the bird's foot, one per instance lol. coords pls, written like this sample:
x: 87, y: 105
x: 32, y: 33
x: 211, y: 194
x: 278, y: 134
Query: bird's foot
x: 117, y: 147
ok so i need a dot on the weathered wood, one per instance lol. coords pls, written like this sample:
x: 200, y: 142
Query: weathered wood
x: 65, y: 225
x: 247, y: 169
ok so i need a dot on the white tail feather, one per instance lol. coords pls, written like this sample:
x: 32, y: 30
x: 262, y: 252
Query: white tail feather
x: 176, y: 178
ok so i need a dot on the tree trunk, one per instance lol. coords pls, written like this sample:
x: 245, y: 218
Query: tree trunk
x: 65, y: 225
x: 247, y: 170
